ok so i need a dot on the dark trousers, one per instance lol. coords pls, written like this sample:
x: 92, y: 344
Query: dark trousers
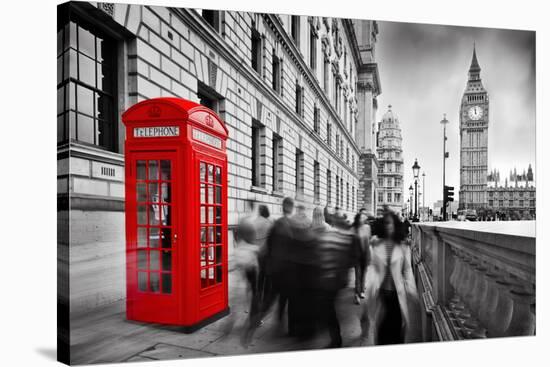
x: 255, y: 302
x: 390, y: 330
x: 267, y: 293
x: 360, y: 270
x: 326, y: 306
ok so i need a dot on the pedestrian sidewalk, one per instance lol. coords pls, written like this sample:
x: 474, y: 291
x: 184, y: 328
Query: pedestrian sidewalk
x: 105, y: 336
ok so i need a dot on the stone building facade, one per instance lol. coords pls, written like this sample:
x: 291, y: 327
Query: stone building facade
x: 286, y: 86
x: 390, y: 163
x: 368, y: 89
x: 515, y: 198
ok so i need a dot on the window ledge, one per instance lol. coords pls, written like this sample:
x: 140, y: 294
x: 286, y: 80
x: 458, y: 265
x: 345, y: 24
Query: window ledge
x: 258, y: 189
x: 278, y: 193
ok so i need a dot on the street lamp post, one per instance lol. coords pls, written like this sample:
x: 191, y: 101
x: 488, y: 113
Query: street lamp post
x: 411, y: 201
x: 424, y: 190
x: 444, y: 122
x: 416, y: 169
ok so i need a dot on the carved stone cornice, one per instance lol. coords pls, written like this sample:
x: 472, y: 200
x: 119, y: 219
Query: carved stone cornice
x: 371, y: 69
x: 326, y: 22
x: 315, y: 24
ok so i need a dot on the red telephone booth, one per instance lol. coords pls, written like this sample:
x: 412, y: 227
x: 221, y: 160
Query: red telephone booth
x: 176, y: 213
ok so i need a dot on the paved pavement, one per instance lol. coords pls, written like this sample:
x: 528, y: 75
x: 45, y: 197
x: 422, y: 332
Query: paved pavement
x: 105, y: 335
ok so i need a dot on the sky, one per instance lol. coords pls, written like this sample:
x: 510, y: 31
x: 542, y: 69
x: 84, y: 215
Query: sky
x: 423, y: 72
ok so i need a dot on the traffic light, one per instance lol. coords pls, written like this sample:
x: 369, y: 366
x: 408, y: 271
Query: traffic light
x: 448, y: 194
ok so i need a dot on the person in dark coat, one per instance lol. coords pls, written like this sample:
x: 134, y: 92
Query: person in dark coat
x: 279, y: 270
x: 334, y: 254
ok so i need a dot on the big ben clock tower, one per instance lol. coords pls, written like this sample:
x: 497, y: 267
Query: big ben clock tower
x: 474, y: 124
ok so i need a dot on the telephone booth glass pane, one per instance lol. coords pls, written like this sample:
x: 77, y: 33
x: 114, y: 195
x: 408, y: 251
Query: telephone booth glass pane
x: 211, y: 251
x: 154, y: 233
x: 165, y: 170
x: 142, y: 237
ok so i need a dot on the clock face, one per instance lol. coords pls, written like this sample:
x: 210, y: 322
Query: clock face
x: 475, y: 113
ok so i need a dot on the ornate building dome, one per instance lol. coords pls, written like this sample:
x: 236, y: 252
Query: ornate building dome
x: 389, y: 117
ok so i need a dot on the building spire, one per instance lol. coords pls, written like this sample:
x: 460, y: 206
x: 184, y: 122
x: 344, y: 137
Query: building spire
x: 474, y: 66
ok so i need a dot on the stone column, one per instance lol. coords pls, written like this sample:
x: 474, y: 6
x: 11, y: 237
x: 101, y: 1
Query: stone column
x: 523, y: 320
x: 500, y: 319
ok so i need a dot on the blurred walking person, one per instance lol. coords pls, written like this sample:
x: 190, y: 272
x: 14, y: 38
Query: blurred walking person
x: 319, y: 222
x: 392, y: 313
x: 246, y: 261
x: 334, y: 254
x: 262, y: 227
x: 362, y: 232
x: 278, y: 270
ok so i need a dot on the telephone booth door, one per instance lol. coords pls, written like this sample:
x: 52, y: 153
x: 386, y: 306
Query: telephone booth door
x: 152, y: 237
x: 212, y: 241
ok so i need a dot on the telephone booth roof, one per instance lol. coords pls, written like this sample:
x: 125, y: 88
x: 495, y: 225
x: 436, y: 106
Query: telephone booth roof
x: 174, y: 110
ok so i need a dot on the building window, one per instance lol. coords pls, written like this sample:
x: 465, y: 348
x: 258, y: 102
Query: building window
x: 341, y: 191
x: 212, y: 17
x: 316, y: 182
x: 313, y: 48
x: 353, y: 198
x: 501, y: 203
x: 490, y: 202
x: 347, y: 156
x: 326, y: 75
x: 256, y: 51
x: 380, y: 197
x: 380, y: 181
x: 337, y: 144
x: 316, y: 119
x: 346, y: 120
x: 299, y: 100
x: 210, y: 98
x: 336, y: 96
x: 329, y: 187
x: 532, y: 203
x: 299, y: 171
x: 295, y: 29
x: 347, y: 195
x: 510, y: 202
x: 397, y: 197
x: 86, y: 85
x: 277, y: 142
x: 337, y: 190
x: 389, y: 197
x: 276, y: 77
x: 258, y: 135
x: 329, y: 134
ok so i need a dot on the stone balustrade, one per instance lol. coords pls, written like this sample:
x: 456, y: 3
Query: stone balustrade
x: 477, y: 279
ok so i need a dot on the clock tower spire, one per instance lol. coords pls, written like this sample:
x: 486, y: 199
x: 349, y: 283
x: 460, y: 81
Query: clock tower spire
x: 475, y: 69
x: 474, y: 125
